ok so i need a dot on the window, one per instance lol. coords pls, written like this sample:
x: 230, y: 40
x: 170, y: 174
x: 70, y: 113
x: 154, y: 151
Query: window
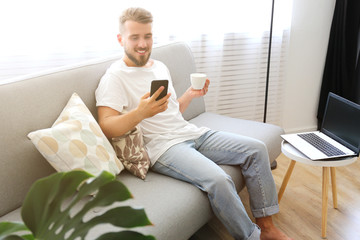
x: 229, y: 39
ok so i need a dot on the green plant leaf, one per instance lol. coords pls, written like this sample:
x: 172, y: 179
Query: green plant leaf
x: 28, y: 237
x: 9, y: 228
x: 128, y: 235
x: 126, y: 217
x: 12, y: 237
x: 85, y: 188
x: 51, y: 207
x: 16, y: 237
x: 42, y: 205
x: 109, y: 193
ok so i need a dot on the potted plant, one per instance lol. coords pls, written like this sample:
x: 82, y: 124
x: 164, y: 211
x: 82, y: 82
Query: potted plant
x: 50, y: 210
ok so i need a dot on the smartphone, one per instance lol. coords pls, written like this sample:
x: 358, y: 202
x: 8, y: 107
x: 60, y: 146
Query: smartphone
x: 156, y: 84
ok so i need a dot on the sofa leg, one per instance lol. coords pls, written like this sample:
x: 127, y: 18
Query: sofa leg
x: 273, y: 165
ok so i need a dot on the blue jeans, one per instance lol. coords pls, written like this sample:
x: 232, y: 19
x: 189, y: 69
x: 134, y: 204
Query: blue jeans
x: 196, y: 161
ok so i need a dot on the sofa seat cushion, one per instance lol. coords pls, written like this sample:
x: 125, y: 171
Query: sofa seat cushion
x: 177, y: 209
x: 267, y: 133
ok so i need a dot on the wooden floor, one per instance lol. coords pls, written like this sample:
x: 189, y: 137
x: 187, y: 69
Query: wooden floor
x: 300, y: 207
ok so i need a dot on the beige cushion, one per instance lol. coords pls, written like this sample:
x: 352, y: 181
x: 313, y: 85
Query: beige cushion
x: 75, y: 141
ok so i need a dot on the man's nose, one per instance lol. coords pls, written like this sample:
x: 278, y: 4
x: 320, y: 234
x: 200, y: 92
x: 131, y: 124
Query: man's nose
x: 142, y: 43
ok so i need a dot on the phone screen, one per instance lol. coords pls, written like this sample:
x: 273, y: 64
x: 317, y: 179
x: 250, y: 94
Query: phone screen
x: 156, y: 84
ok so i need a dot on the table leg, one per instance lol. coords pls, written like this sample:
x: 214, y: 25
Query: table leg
x: 333, y: 185
x: 325, y: 188
x: 286, y: 179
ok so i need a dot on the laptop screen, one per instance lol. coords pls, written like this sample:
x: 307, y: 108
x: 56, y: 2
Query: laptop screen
x: 342, y: 121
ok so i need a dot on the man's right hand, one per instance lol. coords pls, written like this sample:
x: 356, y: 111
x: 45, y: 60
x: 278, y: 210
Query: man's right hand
x: 149, y: 107
x: 114, y: 124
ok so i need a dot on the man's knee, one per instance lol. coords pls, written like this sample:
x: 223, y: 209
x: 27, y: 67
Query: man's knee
x: 221, y: 180
x: 259, y: 147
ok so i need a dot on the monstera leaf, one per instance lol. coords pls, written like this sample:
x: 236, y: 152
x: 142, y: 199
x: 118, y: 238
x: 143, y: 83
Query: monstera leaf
x: 51, y: 209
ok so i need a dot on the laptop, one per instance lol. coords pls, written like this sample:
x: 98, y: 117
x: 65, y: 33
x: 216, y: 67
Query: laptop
x: 339, y: 135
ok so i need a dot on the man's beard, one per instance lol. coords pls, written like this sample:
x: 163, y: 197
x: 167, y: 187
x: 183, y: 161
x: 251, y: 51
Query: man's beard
x: 139, y: 63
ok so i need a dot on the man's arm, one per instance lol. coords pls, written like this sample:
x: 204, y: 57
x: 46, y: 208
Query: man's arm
x: 114, y: 124
x: 190, y: 94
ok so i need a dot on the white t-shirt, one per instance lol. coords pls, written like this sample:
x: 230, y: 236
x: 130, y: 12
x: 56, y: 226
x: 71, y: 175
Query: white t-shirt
x: 121, y: 89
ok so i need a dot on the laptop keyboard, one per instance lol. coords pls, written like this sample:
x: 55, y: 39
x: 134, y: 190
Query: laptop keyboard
x: 322, y: 145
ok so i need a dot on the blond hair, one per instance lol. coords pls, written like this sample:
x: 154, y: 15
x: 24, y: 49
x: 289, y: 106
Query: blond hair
x: 139, y: 15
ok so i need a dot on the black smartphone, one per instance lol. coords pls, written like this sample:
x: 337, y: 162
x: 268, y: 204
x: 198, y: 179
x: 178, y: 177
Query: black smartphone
x: 156, y: 84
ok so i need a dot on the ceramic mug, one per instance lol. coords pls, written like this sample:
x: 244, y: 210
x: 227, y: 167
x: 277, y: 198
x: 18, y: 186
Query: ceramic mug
x: 197, y: 80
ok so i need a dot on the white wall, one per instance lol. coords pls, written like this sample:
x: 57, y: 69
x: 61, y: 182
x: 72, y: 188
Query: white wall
x: 310, y: 28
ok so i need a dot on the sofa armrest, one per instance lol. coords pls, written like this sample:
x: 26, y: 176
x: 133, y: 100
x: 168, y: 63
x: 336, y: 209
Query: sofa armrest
x: 265, y: 132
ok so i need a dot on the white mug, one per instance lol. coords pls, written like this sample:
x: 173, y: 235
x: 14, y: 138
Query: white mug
x: 197, y: 80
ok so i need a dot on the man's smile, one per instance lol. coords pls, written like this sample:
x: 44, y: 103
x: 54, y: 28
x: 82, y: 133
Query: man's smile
x: 141, y: 52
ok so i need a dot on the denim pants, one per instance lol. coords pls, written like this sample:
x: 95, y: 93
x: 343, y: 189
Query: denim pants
x: 196, y: 161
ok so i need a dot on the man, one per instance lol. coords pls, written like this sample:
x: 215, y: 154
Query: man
x: 177, y: 148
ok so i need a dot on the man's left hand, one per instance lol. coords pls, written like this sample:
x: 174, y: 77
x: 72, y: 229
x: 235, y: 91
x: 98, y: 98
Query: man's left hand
x: 199, y: 92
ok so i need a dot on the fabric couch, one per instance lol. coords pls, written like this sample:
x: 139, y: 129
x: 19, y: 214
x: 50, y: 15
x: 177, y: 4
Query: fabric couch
x: 177, y: 209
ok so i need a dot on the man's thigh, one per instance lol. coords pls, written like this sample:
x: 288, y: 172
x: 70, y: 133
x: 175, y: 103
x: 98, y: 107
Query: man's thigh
x: 182, y: 161
x: 231, y: 149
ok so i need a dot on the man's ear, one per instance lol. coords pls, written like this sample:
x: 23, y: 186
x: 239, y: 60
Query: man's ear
x: 119, y: 37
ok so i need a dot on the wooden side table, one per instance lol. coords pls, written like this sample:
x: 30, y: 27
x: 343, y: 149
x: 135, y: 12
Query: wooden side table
x: 296, y: 156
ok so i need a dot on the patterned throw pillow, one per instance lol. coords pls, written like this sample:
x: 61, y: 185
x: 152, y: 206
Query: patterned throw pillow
x: 131, y: 152
x: 75, y: 141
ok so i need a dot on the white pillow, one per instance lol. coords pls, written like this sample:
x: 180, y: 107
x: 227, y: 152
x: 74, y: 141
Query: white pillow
x: 75, y: 141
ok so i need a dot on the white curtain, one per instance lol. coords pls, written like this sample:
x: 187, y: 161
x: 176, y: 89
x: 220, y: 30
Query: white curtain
x: 229, y: 39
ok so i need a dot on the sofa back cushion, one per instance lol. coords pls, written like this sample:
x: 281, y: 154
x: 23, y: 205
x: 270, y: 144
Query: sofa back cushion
x: 180, y: 61
x: 31, y: 104
x: 35, y: 102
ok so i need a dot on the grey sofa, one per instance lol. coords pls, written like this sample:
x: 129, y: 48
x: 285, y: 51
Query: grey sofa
x: 177, y: 209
